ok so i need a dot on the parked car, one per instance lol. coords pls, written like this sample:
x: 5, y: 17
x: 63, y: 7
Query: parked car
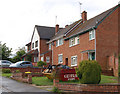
x: 22, y: 64
x: 5, y: 63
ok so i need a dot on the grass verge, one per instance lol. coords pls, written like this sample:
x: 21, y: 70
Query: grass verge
x: 43, y: 81
x: 6, y: 74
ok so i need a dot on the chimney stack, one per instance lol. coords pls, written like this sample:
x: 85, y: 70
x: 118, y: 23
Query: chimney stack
x: 56, y: 28
x: 66, y: 26
x: 84, y: 16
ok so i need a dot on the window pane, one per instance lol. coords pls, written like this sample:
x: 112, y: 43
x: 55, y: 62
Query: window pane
x: 50, y: 46
x: 93, y: 34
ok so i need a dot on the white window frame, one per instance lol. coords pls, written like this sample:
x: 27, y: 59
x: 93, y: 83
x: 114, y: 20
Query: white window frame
x: 75, y: 62
x: 74, y: 41
x: 58, y: 42
x: 50, y: 46
x: 42, y: 58
x: 59, y: 61
x: 47, y: 59
x: 35, y: 59
x: 92, y: 34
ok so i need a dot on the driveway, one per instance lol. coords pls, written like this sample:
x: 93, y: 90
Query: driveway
x: 9, y: 85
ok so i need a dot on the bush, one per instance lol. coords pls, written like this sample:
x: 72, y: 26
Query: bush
x: 55, y: 90
x: 41, y: 63
x: 6, y: 71
x: 89, y: 72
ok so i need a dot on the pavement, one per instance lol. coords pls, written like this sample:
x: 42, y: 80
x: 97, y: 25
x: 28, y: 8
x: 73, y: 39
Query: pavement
x: 10, y: 85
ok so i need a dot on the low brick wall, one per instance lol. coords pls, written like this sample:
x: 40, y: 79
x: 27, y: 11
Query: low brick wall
x: 102, y: 88
x: 21, y: 77
x: 36, y: 72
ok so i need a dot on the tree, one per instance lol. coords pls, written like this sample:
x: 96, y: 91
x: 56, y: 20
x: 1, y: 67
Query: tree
x: 19, y: 54
x: 6, y: 51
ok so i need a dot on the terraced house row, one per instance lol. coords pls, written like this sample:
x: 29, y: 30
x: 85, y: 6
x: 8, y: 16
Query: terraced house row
x: 97, y: 39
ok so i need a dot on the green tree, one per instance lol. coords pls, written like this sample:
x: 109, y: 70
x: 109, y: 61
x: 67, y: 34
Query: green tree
x: 6, y: 51
x: 19, y: 54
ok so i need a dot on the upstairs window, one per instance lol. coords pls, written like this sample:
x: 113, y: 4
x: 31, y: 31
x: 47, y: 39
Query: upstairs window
x: 50, y: 46
x: 36, y: 43
x: 32, y: 45
x: 92, y: 35
x: 74, y: 41
x: 59, y: 42
x: 60, y: 58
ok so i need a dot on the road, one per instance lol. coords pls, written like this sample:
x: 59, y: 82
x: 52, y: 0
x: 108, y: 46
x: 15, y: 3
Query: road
x: 9, y: 85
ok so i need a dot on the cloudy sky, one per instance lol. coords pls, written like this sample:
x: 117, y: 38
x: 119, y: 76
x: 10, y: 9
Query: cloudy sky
x: 18, y: 17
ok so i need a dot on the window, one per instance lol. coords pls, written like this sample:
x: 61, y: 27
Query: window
x: 47, y: 59
x: 92, y: 35
x: 60, y: 58
x: 77, y: 40
x: 32, y: 45
x: 42, y: 59
x: 74, y: 61
x: 59, y: 42
x: 35, y: 59
x: 74, y: 41
x: 50, y: 46
x: 36, y: 43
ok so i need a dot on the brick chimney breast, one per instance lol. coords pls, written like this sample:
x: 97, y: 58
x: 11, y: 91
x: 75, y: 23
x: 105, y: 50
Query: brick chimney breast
x: 56, y: 28
x: 84, y: 16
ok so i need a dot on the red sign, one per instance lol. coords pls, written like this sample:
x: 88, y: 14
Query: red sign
x: 68, y: 74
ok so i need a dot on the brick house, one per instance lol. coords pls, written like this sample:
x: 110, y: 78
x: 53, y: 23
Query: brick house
x: 94, y: 39
x: 37, y: 48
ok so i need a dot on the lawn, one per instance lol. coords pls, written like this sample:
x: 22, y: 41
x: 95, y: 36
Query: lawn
x: 45, y: 81
x: 41, y: 81
x: 6, y: 74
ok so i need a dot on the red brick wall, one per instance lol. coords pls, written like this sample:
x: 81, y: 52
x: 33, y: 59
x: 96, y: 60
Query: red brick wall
x: 107, y: 39
x: 88, y: 88
x: 43, y: 46
x: 84, y: 44
x: 49, y: 54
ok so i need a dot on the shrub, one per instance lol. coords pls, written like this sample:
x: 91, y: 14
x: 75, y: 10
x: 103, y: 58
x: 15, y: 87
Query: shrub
x: 41, y: 63
x: 89, y: 72
x: 17, y: 71
x: 6, y: 71
x: 55, y: 90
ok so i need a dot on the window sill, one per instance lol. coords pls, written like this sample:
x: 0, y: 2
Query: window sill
x: 60, y: 62
x: 73, y: 65
x: 73, y: 45
x: 91, y: 39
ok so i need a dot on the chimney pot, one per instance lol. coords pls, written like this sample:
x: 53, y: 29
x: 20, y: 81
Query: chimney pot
x: 84, y: 16
x: 56, y: 28
x: 66, y: 26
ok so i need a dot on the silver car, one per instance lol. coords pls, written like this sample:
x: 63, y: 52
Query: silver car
x: 5, y: 63
x: 22, y: 64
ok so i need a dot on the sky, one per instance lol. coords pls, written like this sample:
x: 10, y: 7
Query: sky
x: 18, y: 17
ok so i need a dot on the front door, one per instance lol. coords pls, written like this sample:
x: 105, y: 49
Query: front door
x: 66, y: 61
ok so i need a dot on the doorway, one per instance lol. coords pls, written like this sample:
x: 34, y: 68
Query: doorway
x: 66, y: 61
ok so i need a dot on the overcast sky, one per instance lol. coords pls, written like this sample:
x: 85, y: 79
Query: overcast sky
x: 18, y: 17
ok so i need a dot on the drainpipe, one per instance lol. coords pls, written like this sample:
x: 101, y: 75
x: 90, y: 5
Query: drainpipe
x: 95, y: 43
x: 52, y: 53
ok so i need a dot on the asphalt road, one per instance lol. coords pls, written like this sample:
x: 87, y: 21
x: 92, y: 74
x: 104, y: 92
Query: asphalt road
x: 9, y: 85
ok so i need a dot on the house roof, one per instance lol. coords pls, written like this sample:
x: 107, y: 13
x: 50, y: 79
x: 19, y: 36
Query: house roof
x: 91, y: 23
x: 63, y: 31
x: 45, y: 32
